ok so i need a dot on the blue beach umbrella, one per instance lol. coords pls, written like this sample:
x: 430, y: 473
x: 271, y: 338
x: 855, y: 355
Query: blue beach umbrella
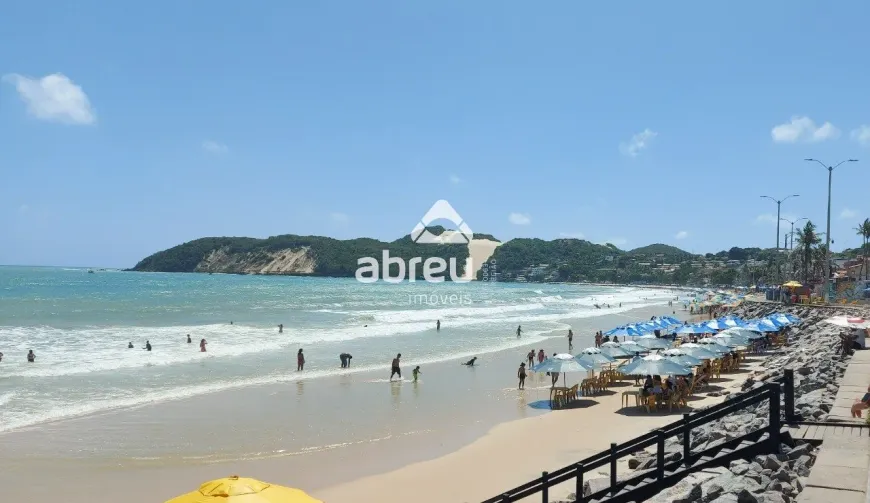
x: 779, y: 319
x: 756, y: 326
x: 626, y: 331
x: 794, y: 319
x: 732, y: 321
x: 654, y: 365
x: 714, y: 325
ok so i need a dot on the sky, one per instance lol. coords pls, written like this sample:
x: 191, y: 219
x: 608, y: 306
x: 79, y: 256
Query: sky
x: 130, y: 127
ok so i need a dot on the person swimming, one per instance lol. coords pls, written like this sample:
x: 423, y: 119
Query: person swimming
x: 147, y: 346
x: 470, y: 363
x: 30, y: 356
x: 202, y: 344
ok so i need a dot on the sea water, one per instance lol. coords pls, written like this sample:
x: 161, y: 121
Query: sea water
x: 79, y: 325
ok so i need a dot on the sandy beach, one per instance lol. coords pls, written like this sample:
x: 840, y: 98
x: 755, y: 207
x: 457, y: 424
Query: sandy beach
x: 463, y: 434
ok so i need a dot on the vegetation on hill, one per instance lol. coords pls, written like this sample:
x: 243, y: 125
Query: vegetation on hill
x: 332, y: 257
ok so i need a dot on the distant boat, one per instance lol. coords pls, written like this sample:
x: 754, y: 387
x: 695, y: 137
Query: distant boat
x: 90, y: 271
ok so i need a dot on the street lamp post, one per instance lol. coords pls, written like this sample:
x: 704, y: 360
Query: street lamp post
x: 778, y: 204
x: 792, y: 231
x: 828, y: 232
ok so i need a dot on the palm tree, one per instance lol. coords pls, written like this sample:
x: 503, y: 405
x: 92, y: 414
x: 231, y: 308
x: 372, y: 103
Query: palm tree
x: 863, y: 230
x: 807, y: 238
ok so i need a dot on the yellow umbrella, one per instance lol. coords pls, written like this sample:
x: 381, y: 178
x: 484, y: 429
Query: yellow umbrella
x: 243, y: 490
x: 793, y: 284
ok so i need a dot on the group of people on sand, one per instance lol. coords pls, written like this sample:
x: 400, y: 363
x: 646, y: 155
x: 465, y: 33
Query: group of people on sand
x: 31, y: 356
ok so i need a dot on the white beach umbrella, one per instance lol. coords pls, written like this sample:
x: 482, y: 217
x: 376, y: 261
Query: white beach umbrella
x: 741, y: 332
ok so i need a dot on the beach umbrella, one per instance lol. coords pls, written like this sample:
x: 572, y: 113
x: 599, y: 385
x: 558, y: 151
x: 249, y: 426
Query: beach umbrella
x: 772, y: 322
x: 237, y: 489
x: 848, y: 322
x: 732, y: 321
x: 779, y: 319
x: 652, y: 342
x: 757, y: 326
x: 714, y: 345
x: 792, y: 284
x: 686, y: 329
x: 699, y: 351
x: 741, y: 332
x: 563, y: 363
x: 654, y: 365
x: 714, y: 325
x: 629, y: 331
x: 794, y: 319
x: 730, y: 340
x: 616, y: 351
x: 682, y: 358
x: 595, y: 355
x: 633, y: 347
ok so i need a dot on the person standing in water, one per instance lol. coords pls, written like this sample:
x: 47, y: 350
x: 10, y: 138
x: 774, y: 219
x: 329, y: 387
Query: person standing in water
x: 521, y: 375
x: 300, y: 360
x: 395, y: 367
x: 202, y: 344
x: 438, y: 326
x: 188, y: 339
x: 570, y: 339
x: 280, y: 328
x: 30, y: 356
x: 541, y: 356
x: 519, y: 330
x: 531, y: 358
x: 345, y: 360
x: 416, y: 372
x: 147, y: 346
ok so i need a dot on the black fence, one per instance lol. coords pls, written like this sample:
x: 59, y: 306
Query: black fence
x: 750, y: 444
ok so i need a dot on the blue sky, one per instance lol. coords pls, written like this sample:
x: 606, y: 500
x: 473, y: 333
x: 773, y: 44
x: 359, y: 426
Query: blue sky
x: 131, y: 127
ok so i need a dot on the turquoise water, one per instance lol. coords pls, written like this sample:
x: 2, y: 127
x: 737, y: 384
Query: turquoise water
x: 79, y: 325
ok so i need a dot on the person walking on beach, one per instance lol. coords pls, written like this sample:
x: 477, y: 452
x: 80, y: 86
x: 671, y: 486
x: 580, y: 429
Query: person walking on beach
x: 416, y: 373
x: 395, y: 367
x: 438, y: 326
x: 519, y: 330
x: 570, y: 339
x: 521, y: 375
x: 300, y: 360
x: 188, y: 339
x: 541, y: 356
x: 597, y: 339
x: 30, y: 356
x: 202, y: 344
x: 280, y: 328
x: 531, y: 358
x: 147, y: 346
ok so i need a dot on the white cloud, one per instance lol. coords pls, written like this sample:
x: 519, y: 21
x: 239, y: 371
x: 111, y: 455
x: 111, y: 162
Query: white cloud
x: 53, y: 98
x: 339, y: 217
x: 848, y: 213
x: 682, y: 235
x: 638, y: 142
x: 862, y: 135
x: 213, y: 147
x: 519, y: 219
x: 803, y: 129
x: 571, y: 235
x: 455, y: 180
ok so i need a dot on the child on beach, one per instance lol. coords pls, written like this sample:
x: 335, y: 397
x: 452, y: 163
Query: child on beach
x: 416, y: 372
x: 521, y: 375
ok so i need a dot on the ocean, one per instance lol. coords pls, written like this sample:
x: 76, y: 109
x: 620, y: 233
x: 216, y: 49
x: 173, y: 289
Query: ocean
x: 79, y: 325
